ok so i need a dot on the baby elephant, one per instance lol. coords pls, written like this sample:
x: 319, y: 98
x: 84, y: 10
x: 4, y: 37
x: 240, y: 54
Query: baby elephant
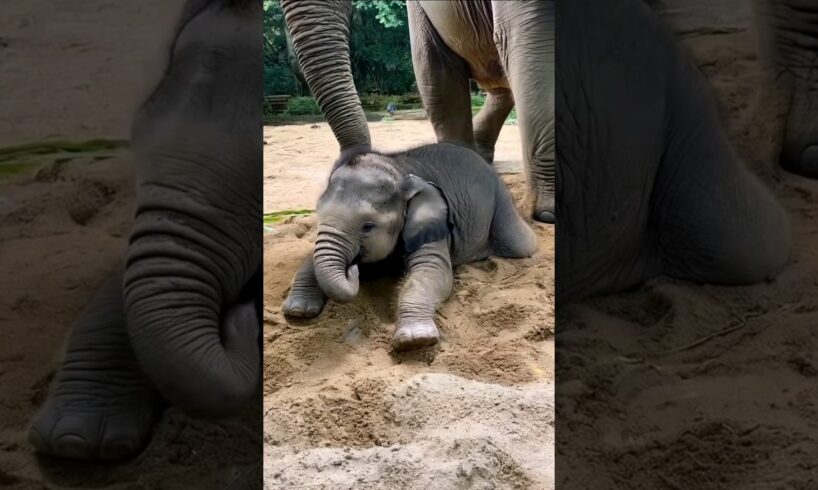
x: 437, y: 206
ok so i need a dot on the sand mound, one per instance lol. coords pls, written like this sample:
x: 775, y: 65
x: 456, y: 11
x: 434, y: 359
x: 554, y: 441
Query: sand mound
x: 439, y: 431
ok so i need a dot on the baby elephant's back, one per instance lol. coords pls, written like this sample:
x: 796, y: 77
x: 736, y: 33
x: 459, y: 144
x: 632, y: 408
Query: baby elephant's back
x: 469, y: 185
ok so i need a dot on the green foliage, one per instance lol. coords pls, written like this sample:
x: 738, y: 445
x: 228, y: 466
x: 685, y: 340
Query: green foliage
x: 390, y: 13
x: 299, y: 106
x: 512, y: 117
x: 380, y: 53
x: 279, y: 77
x: 477, y: 103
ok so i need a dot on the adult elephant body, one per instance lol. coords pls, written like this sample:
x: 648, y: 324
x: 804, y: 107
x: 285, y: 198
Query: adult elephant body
x: 645, y: 166
x: 507, y: 47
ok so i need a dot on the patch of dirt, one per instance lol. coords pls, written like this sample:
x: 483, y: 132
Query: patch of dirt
x: 343, y: 411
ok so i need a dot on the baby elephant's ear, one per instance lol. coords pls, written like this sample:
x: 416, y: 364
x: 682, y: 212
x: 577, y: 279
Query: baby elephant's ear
x: 427, y: 214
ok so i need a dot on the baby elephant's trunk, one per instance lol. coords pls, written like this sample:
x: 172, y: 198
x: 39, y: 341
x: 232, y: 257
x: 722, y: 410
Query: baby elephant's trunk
x: 334, y: 251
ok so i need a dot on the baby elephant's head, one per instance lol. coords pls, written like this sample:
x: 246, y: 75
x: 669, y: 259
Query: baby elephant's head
x: 366, y: 207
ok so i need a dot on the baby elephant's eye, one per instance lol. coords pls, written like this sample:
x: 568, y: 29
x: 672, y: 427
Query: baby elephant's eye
x: 368, y: 227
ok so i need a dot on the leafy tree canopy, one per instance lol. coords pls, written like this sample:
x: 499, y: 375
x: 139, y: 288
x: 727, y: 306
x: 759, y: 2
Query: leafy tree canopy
x: 379, y: 50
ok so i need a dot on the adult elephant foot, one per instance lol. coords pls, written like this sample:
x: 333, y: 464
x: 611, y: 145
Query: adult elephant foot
x: 800, y: 150
x: 101, y: 405
x: 414, y: 335
x: 544, y: 211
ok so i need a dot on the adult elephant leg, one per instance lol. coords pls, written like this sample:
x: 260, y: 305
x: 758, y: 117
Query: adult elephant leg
x: 716, y: 221
x: 101, y: 405
x: 789, y: 45
x: 524, y: 34
x: 428, y: 283
x: 726, y: 228
x: 442, y: 80
x: 489, y: 121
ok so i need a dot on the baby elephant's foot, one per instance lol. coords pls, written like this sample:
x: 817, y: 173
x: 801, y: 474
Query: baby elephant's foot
x: 101, y: 405
x: 95, y: 415
x: 302, y: 304
x: 413, y: 335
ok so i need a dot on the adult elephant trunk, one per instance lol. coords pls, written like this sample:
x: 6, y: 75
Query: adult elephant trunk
x: 334, y: 252
x: 196, y: 240
x: 320, y: 36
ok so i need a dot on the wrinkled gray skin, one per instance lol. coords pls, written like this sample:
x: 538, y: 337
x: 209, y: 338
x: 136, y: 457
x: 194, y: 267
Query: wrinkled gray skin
x: 506, y: 47
x: 645, y: 166
x: 436, y: 206
x: 789, y: 52
x: 181, y: 322
x: 788, y: 48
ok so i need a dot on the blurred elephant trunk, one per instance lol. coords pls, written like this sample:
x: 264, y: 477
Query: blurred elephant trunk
x: 320, y: 35
x: 196, y: 239
x: 177, y: 284
x: 334, y: 252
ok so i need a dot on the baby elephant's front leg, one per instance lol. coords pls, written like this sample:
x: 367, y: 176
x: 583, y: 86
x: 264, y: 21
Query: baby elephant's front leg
x: 306, y: 300
x: 428, y: 284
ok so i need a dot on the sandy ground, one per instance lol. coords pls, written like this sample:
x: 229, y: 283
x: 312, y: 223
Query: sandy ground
x: 676, y: 386
x: 76, y: 70
x: 343, y: 411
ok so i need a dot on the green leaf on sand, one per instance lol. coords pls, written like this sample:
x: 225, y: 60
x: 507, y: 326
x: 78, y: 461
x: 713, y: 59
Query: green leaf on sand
x: 19, y: 158
x: 279, y: 216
